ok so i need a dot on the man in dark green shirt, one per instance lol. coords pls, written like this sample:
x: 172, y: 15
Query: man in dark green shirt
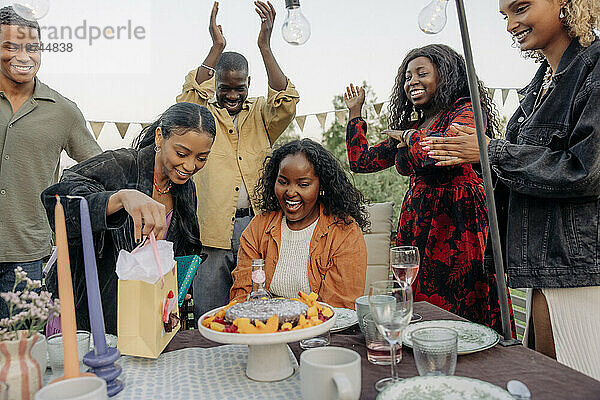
x: 36, y: 125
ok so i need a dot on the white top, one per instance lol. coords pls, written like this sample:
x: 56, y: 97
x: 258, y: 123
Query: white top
x: 291, y: 272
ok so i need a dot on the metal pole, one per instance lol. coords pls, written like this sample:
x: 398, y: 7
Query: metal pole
x: 487, y: 176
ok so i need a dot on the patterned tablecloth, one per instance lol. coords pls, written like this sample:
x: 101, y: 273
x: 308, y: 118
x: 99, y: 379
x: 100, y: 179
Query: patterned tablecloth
x: 194, y: 367
x: 198, y: 373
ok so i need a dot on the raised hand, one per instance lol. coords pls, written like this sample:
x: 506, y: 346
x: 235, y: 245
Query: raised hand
x: 266, y: 12
x: 216, y: 31
x: 354, y: 97
x: 148, y: 215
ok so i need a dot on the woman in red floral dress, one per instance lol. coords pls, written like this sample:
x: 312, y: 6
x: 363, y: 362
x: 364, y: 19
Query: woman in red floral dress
x: 444, y: 211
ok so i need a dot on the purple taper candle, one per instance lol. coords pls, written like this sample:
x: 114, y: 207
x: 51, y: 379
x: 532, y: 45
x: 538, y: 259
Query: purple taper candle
x: 91, y: 278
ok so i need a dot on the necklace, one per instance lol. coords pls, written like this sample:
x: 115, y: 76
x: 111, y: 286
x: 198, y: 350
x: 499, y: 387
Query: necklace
x: 546, y: 82
x: 159, y: 190
x: 430, y: 121
x: 547, y: 79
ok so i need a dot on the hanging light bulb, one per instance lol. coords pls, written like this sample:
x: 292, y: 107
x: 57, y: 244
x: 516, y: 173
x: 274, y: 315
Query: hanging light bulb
x: 432, y: 18
x: 295, y: 29
x: 31, y: 10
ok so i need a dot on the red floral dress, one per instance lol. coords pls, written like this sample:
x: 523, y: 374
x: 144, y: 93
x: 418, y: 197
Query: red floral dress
x: 444, y: 214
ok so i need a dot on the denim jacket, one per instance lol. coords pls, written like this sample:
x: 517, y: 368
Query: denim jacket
x: 550, y: 166
x: 97, y: 179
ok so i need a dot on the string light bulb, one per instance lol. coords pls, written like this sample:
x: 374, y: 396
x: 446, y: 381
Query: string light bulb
x: 296, y: 28
x: 432, y: 19
x: 31, y: 10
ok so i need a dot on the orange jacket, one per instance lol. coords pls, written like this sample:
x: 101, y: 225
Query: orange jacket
x: 337, y: 263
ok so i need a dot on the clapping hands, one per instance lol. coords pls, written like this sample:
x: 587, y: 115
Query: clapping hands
x: 462, y: 148
x: 216, y: 31
x: 266, y: 12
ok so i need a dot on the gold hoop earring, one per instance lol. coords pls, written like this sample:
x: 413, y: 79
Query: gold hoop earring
x: 322, y: 193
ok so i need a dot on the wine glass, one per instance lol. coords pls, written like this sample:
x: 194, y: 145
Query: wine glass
x: 391, y: 305
x: 404, y: 262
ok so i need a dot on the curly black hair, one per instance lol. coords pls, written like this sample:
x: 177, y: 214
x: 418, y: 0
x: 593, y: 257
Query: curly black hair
x: 339, y: 198
x: 452, y: 85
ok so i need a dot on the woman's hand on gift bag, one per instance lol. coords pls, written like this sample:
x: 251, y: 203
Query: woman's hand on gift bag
x: 148, y: 215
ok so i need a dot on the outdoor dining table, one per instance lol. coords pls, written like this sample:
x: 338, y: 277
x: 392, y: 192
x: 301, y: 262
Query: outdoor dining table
x: 546, y: 378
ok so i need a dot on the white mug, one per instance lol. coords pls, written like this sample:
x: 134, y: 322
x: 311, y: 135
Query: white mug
x: 330, y: 373
x: 82, y: 388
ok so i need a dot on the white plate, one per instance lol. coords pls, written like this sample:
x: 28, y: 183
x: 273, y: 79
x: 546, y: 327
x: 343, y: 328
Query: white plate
x: 268, y: 355
x: 472, y: 337
x: 345, y: 319
x: 265, y: 338
x: 443, y: 388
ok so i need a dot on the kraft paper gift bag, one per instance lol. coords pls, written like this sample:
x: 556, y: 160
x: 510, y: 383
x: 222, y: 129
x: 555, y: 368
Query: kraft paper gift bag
x: 147, y: 311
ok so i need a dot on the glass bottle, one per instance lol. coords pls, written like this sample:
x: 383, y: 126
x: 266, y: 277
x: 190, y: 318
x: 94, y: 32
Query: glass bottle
x: 258, y: 281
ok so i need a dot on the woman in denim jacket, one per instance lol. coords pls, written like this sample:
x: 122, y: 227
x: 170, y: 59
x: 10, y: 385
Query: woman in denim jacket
x: 549, y: 176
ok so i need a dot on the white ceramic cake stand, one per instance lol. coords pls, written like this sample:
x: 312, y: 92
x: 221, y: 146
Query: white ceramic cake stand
x: 268, y: 356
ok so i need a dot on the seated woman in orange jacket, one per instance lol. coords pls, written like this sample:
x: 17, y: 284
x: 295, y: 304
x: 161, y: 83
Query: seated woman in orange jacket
x: 309, y: 233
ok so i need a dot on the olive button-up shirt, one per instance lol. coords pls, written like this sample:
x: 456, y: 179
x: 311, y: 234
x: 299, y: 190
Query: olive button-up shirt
x: 31, y: 141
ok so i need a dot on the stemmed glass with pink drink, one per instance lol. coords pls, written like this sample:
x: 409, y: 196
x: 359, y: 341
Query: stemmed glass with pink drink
x: 404, y: 262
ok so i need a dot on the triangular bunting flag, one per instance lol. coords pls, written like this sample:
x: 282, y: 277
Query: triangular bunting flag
x: 521, y: 96
x: 122, y: 128
x: 96, y: 128
x: 340, y: 116
x: 145, y: 124
x: 301, y: 120
x: 377, y: 107
x: 504, y: 95
x: 322, y: 117
x: 491, y: 92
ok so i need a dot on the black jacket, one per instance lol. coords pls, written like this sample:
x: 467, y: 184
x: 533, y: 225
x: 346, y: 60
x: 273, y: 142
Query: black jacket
x: 97, y: 179
x: 549, y: 165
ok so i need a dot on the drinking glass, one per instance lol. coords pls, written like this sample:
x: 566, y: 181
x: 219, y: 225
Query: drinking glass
x: 404, y: 262
x: 317, y: 341
x: 378, y: 349
x: 55, y: 351
x: 391, y: 305
x: 435, y: 350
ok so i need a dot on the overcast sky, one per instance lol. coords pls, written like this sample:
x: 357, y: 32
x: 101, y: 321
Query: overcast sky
x: 134, y: 79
